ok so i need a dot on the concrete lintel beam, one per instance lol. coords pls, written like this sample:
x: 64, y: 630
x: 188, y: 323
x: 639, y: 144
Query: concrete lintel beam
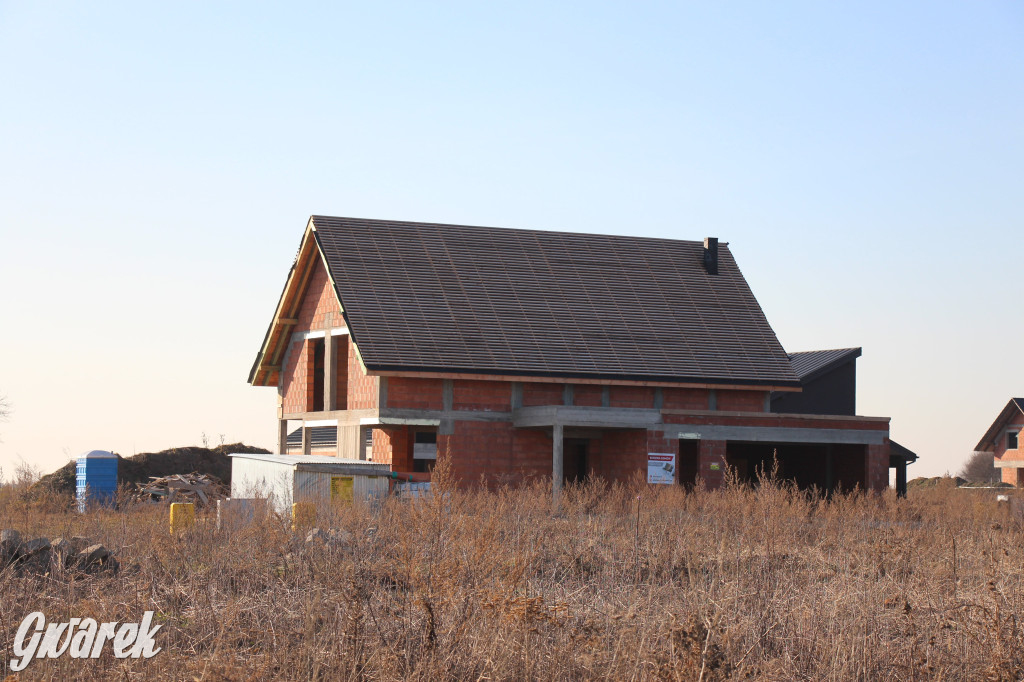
x: 774, y: 434
x: 595, y: 417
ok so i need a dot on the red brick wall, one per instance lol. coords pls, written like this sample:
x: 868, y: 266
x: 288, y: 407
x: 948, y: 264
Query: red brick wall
x: 499, y: 454
x: 631, y: 396
x: 587, y: 395
x: 494, y: 396
x: 356, y: 390
x: 481, y: 449
x: 876, y: 471
x: 297, y: 382
x: 684, y: 399
x: 711, y: 452
x: 393, y: 445
x: 424, y: 394
x: 363, y: 390
x: 318, y: 301
x: 741, y: 401
x: 542, y: 394
x: 623, y: 454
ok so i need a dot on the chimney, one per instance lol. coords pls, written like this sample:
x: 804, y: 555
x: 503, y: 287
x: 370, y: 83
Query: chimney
x: 711, y: 255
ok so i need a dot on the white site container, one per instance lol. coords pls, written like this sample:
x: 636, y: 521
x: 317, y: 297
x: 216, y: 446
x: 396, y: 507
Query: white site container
x: 286, y: 479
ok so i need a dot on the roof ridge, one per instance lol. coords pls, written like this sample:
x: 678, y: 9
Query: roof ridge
x: 417, y: 223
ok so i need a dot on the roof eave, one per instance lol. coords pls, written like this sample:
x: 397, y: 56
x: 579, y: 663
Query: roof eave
x: 422, y: 371
x: 262, y: 371
x: 851, y: 355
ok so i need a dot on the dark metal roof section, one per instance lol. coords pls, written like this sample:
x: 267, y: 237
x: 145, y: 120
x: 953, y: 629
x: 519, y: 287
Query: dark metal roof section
x: 319, y: 437
x: 811, y: 364
x: 455, y: 299
x: 1012, y: 408
x: 897, y: 453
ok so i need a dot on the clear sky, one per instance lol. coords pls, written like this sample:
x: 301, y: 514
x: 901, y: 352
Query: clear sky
x: 158, y: 163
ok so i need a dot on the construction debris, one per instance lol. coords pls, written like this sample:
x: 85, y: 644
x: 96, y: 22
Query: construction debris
x: 199, y: 489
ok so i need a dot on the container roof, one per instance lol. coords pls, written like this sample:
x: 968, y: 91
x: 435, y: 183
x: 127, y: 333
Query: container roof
x: 318, y: 460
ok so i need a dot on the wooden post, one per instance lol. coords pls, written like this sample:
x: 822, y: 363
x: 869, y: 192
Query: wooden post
x: 307, y: 440
x: 282, y: 436
x: 330, y: 373
x: 557, y: 465
x: 901, y: 478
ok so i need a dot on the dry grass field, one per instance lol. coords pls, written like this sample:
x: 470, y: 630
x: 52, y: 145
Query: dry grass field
x: 624, y: 582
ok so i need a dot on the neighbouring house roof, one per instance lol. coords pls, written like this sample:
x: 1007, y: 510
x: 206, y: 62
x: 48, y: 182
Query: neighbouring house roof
x: 1012, y: 409
x: 809, y: 365
x: 451, y: 299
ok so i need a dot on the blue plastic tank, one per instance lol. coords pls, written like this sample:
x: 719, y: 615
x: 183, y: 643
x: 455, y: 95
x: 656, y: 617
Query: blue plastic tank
x: 96, y: 478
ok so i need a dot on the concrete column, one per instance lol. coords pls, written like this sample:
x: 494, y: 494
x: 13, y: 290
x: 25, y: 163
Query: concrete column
x: 282, y: 436
x: 307, y: 440
x: 901, y: 479
x: 330, y: 374
x: 447, y: 395
x: 517, y: 395
x: 557, y: 466
x: 830, y: 476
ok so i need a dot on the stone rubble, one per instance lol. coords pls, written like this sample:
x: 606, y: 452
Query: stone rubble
x: 43, y: 555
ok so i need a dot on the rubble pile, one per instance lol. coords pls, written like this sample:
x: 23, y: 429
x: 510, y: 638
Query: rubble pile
x: 47, y: 554
x: 199, y: 489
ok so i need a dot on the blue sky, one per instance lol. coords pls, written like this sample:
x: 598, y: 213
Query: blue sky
x: 158, y: 164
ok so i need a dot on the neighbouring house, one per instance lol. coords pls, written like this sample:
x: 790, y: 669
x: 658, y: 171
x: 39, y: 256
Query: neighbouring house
x: 520, y: 353
x: 1003, y: 440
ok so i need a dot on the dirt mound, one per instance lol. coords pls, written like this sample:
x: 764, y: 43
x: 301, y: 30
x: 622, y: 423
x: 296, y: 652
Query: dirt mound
x: 139, y: 468
x: 936, y: 481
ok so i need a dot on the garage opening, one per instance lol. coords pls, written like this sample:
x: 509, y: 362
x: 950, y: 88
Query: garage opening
x: 821, y: 466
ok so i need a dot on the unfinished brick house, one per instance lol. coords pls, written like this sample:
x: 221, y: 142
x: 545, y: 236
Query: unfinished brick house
x: 1003, y: 440
x: 520, y: 354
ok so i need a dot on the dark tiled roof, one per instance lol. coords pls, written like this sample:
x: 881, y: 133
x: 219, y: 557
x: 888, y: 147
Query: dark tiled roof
x: 808, y: 364
x: 482, y: 300
x: 1012, y: 408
